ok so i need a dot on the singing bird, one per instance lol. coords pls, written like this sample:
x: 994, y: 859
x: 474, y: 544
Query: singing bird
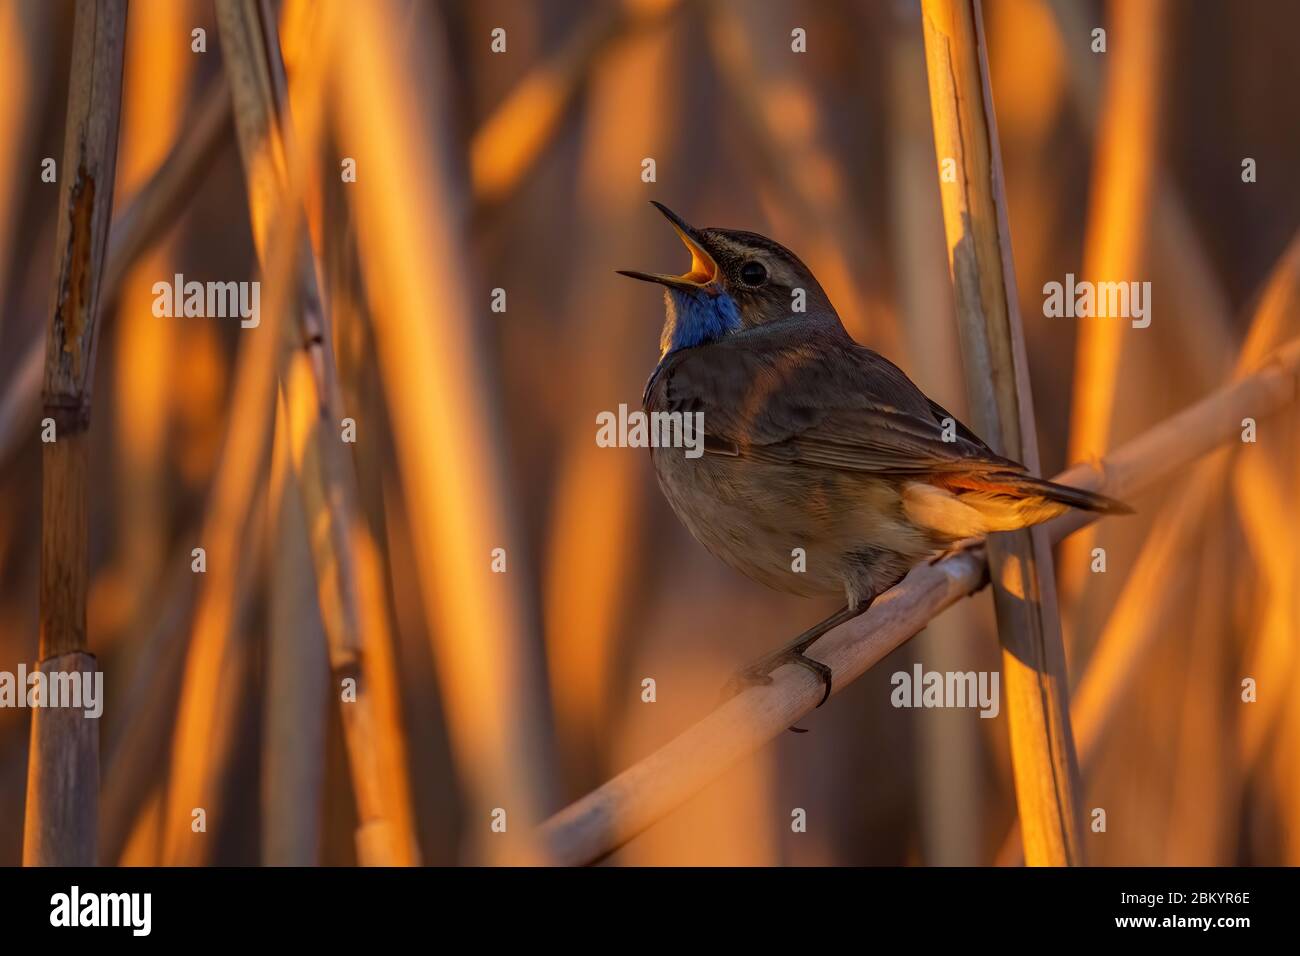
x: 812, y: 441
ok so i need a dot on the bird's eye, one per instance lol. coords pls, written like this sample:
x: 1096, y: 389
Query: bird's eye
x: 753, y: 273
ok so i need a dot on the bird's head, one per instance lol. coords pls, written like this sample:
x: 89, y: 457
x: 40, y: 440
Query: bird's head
x: 737, y: 280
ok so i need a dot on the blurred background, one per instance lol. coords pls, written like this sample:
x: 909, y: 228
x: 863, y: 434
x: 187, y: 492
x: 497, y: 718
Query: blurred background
x: 520, y: 168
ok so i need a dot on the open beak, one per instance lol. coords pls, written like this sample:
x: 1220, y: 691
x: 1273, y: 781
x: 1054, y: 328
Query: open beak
x: 703, y: 269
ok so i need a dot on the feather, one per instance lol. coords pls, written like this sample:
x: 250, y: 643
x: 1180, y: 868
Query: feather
x: 787, y: 396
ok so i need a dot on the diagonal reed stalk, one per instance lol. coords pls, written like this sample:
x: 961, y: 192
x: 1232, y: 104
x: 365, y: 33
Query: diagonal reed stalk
x: 1139, y: 617
x: 617, y: 811
x: 321, y: 464
x: 63, y: 763
x: 997, y: 380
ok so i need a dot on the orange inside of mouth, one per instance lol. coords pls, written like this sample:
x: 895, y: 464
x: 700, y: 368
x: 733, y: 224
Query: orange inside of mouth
x: 703, y: 269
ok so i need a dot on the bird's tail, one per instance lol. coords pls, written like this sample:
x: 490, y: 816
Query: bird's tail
x: 1064, y: 494
x: 975, y: 503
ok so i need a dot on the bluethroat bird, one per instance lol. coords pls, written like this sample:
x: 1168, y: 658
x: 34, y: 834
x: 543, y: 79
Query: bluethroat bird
x: 813, y: 441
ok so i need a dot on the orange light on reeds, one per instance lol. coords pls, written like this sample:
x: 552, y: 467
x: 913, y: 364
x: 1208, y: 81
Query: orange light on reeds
x: 158, y: 69
x: 445, y: 425
x: 1116, y: 240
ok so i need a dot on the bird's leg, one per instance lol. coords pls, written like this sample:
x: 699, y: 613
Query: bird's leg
x: 958, y: 547
x: 760, y: 671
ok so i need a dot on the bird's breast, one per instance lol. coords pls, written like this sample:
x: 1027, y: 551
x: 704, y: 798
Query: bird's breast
x: 774, y: 523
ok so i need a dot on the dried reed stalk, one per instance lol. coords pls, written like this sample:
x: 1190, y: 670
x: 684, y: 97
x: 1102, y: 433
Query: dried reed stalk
x: 148, y: 215
x: 1115, y: 245
x: 767, y: 89
x: 25, y: 48
x: 297, y: 677
x: 997, y: 381
x: 1175, y: 249
x: 63, y: 763
x: 217, y: 660
x: 511, y: 140
x: 1119, y: 218
x: 322, y: 466
x: 1139, y: 617
x: 596, y: 532
x: 950, y: 745
x: 624, y: 806
x: 216, y: 665
x: 446, y: 428
x: 156, y: 98
x: 136, y: 745
x: 1136, y: 622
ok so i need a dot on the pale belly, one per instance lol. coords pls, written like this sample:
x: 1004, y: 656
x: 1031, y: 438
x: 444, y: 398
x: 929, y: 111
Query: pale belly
x: 792, y: 528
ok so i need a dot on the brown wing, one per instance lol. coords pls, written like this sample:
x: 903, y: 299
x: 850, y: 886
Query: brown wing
x: 786, y: 398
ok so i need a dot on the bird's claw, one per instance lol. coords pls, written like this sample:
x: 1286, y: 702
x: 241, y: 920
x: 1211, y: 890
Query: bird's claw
x: 760, y: 673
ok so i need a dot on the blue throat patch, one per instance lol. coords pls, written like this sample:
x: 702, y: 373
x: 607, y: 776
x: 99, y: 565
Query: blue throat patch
x: 701, y: 318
